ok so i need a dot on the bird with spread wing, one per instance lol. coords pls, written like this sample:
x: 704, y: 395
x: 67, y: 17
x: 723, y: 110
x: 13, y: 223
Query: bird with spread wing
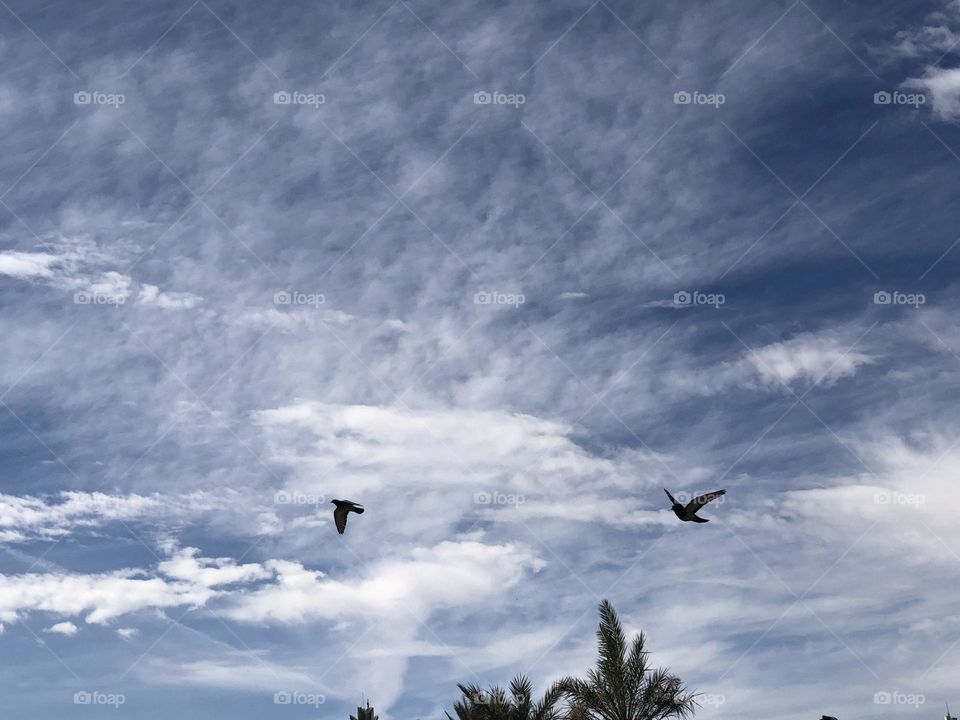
x: 344, y: 508
x: 688, y: 512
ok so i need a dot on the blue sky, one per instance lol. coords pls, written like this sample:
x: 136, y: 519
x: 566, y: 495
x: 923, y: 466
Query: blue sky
x: 500, y: 272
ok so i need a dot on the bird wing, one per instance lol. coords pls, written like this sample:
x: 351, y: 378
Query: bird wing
x: 340, y: 518
x: 701, y: 500
x: 672, y: 498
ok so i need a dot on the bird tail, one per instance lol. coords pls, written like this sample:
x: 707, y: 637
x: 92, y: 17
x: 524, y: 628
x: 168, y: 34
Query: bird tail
x: 358, y: 510
x: 699, y: 519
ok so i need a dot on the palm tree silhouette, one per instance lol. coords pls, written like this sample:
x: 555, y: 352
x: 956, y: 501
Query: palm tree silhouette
x: 622, y: 686
x: 499, y: 704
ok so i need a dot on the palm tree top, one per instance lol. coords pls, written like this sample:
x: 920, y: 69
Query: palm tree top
x: 622, y: 685
x: 516, y: 703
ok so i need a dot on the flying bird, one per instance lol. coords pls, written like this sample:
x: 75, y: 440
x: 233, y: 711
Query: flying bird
x: 688, y: 513
x: 344, y: 508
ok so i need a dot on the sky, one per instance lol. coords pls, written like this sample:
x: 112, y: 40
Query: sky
x: 500, y: 272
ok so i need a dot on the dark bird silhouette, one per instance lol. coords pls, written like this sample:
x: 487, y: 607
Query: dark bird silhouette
x: 688, y: 513
x: 344, y: 508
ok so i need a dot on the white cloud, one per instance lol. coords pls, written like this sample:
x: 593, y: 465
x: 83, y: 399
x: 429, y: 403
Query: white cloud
x: 24, y: 516
x: 234, y: 673
x: 932, y: 42
x: 391, y: 602
x: 152, y: 295
x: 936, y: 36
x: 186, y: 565
x: 24, y: 265
x: 806, y: 357
x: 943, y: 86
x: 184, y: 579
x: 430, y: 448
x: 112, y: 284
x: 445, y: 575
x: 63, y: 628
x: 450, y: 574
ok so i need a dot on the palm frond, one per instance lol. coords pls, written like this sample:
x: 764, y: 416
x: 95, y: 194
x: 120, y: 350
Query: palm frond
x: 622, y: 685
